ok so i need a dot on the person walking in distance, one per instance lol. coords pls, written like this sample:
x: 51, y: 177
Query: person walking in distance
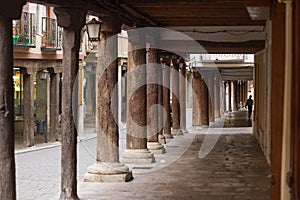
x: 249, y: 104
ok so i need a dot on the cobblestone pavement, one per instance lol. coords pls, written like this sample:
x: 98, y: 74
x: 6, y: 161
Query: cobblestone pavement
x: 235, y: 169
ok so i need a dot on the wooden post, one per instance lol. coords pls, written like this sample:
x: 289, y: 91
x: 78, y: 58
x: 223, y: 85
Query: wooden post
x: 136, y: 133
x: 72, y: 20
x: 53, y: 106
x: 217, y: 96
x: 229, y: 96
x: 166, y: 99
x: 295, y: 122
x: 182, y: 96
x: 175, y: 98
x: 28, y: 123
x: 278, y: 62
x: 196, y: 84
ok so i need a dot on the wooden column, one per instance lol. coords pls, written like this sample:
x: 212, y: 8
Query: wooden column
x: 238, y: 95
x: 153, y: 144
x: 229, y: 97
x: 182, y: 96
x: 160, y: 119
x: 235, y: 105
x: 166, y: 99
x: 217, y: 105
x: 72, y: 20
x: 196, y: 85
x: 295, y: 116
x: 277, y: 88
x: 107, y: 167
x: 204, y: 113
x: 211, y: 96
x: 28, y: 123
x: 175, y: 98
x: 224, y: 97
x: 53, y: 105
x: 136, y: 133
x: 11, y: 10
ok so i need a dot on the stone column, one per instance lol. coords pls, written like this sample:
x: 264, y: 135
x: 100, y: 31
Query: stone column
x: 235, y: 106
x: 166, y: 99
x: 217, y: 96
x: 108, y: 168
x: 8, y: 11
x: 136, y: 133
x: 204, y: 110
x: 211, y: 96
x: 28, y: 122
x: 153, y: 144
x: 175, y: 98
x: 53, y: 105
x: 182, y: 96
x: 196, y: 85
x: 72, y: 20
x: 229, y: 97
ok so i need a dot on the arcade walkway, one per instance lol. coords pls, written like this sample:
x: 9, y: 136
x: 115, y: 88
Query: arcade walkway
x: 235, y: 169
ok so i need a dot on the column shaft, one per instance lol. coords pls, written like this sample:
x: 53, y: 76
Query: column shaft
x: 107, y: 99
x: 175, y: 94
x: 235, y: 106
x: 152, y: 96
x: 217, y: 96
x: 53, y: 106
x: 7, y: 157
x: 28, y: 123
x: 166, y: 100
x: 229, y: 97
x: 182, y: 94
x: 204, y: 110
x: 196, y: 85
x: 211, y: 97
x: 71, y: 43
x: 224, y: 97
x: 136, y: 98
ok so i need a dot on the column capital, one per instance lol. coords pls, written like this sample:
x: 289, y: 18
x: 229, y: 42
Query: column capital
x: 111, y: 24
x: 70, y: 18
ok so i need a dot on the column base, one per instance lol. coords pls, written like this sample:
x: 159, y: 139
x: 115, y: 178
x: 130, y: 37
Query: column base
x: 156, y: 148
x: 184, y: 130
x: 177, y: 132
x: 161, y: 139
x: 108, y: 172
x: 168, y: 136
x: 137, y: 156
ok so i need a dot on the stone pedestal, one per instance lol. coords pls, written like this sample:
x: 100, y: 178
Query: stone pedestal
x: 162, y: 139
x: 156, y: 147
x: 137, y: 156
x: 177, y: 132
x: 108, y: 172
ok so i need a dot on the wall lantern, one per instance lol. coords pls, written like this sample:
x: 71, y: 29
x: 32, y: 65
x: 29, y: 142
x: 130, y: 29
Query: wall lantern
x: 93, y: 28
x: 43, y: 74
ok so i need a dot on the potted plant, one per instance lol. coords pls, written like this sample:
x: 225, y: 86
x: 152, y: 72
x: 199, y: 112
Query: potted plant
x: 50, y: 41
x: 23, y: 39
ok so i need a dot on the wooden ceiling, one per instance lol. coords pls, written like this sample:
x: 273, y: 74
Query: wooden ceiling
x: 166, y: 13
x: 193, y: 14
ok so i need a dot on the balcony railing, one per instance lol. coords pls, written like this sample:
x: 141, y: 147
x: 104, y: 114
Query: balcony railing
x: 52, y: 34
x: 24, y: 30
